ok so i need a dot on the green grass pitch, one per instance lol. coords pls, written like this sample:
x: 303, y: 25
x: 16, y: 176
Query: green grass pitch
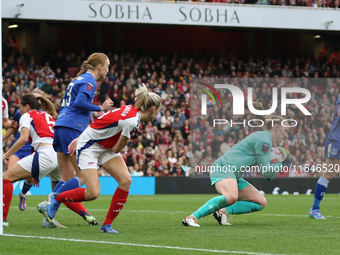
x: 155, y: 222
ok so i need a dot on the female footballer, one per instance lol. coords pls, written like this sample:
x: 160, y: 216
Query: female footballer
x: 332, y: 155
x: 36, y: 126
x: 24, y: 150
x: 100, y: 144
x: 237, y: 195
x: 74, y: 117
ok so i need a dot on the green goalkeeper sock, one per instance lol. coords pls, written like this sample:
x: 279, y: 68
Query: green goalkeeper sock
x: 211, y: 206
x: 243, y: 207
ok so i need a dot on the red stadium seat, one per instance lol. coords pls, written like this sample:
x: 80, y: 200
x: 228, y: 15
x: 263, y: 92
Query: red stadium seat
x: 239, y: 74
x: 98, y: 84
x: 72, y: 71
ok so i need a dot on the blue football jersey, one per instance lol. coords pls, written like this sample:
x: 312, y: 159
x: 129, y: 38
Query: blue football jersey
x: 27, y: 145
x: 70, y: 115
x: 334, y: 134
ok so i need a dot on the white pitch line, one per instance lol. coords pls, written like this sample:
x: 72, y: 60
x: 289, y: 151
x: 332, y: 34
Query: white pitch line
x: 179, y: 212
x: 140, y: 245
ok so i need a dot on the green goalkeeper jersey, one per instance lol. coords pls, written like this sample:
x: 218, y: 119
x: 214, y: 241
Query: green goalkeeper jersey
x: 252, y: 150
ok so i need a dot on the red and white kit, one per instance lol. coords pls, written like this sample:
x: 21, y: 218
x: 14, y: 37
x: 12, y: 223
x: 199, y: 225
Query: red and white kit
x: 96, y: 142
x: 43, y: 162
x: 4, y: 108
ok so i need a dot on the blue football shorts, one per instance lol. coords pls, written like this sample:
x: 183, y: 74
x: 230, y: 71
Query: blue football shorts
x: 332, y: 149
x: 23, y: 153
x: 63, y: 136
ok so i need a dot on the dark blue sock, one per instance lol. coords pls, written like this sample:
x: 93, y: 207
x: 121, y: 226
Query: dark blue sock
x: 61, y: 182
x: 69, y: 185
x: 26, y: 187
x: 320, y: 191
x: 83, y: 214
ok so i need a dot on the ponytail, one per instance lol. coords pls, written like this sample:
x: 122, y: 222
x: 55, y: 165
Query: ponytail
x: 47, y: 105
x: 92, y: 61
x: 145, y: 99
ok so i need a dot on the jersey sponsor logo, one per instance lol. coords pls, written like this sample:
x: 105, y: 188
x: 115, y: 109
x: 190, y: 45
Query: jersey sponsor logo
x: 80, y: 78
x: 89, y: 86
x: 265, y: 147
x: 91, y: 163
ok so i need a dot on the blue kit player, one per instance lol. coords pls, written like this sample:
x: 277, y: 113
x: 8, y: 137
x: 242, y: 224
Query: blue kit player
x: 74, y: 117
x: 332, y: 155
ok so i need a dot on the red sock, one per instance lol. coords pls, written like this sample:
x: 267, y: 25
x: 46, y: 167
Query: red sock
x: 77, y: 208
x: 7, y: 192
x: 75, y: 195
x: 118, y: 201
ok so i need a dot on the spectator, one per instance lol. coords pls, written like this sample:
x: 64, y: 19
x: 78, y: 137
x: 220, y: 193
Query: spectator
x: 104, y: 89
x: 177, y: 170
x: 166, y: 120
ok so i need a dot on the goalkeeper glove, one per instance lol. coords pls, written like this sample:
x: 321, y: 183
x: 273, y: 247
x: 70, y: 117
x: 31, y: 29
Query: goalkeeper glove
x: 285, y: 156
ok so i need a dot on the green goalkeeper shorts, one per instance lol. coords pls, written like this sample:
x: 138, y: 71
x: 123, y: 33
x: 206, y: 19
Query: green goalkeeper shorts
x: 241, y: 183
x: 221, y: 173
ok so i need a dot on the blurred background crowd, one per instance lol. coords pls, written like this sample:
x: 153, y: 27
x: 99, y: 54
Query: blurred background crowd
x: 166, y: 146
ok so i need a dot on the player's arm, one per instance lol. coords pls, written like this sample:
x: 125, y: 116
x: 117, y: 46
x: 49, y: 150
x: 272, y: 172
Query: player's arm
x: 9, y: 132
x: 6, y: 122
x: 72, y: 147
x: 14, y: 128
x: 24, y: 136
x: 83, y: 100
x: 121, y: 143
x: 128, y: 126
x: 269, y: 171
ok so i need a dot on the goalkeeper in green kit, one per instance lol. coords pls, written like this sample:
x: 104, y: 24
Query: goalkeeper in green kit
x: 237, y: 195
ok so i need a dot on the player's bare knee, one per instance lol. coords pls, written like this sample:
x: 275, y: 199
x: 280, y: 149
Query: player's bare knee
x: 125, y: 183
x: 92, y: 195
x: 263, y: 202
x: 231, y: 198
x: 328, y: 175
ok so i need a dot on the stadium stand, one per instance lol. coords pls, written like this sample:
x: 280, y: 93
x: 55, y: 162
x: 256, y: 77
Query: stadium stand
x: 170, y: 76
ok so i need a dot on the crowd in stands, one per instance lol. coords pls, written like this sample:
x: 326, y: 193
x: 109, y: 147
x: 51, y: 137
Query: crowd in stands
x: 165, y: 147
x: 310, y: 3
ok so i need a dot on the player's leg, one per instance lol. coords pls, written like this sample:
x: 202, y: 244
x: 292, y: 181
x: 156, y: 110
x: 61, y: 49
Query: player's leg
x: 249, y: 200
x: 77, y: 207
x: 67, y: 164
x: 15, y: 173
x: 91, y: 192
x: 27, y: 183
x: 229, y: 193
x: 321, y: 187
x: 116, y: 167
x: 68, y: 167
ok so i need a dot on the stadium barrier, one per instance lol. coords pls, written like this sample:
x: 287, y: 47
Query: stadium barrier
x: 298, y: 185
x: 108, y: 185
x: 183, y: 185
